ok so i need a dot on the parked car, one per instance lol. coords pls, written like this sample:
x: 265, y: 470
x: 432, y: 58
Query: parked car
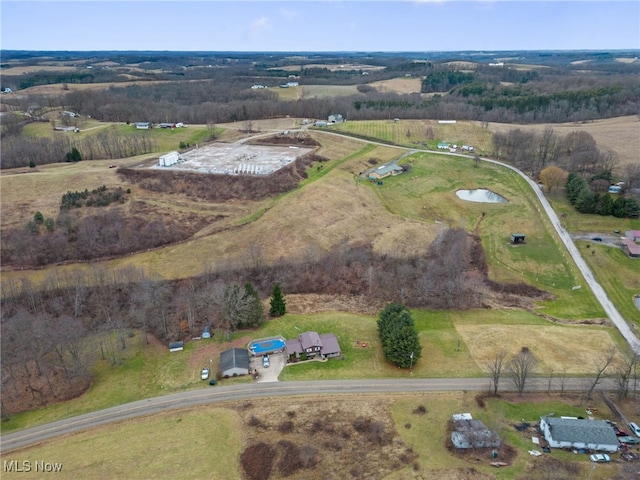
x: 635, y: 429
x: 596, y: 239
x: 212, y: 382
x: 600, y: 458
x: 265, y: 361
x: 629, y: 440
x: 204, y: 374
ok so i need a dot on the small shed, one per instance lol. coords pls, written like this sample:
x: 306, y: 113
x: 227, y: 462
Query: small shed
x: 517, y: 238
x: 234, y: 361
x: 176, y: 346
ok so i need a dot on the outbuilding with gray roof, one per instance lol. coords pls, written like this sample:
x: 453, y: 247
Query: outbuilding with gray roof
x: 234, y: 361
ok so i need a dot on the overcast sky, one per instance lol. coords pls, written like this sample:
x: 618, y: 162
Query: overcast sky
x: 302, y: 25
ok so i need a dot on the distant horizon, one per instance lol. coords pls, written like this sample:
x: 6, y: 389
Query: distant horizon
x: 486, y: 52
x: 271, y: 26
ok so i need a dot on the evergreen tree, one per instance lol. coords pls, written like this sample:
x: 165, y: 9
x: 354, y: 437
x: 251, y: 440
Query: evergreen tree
x: 403, y: 348
x: 277, y: 302
x: 631, y: 207
x: 398, y: 336
x: 74, y: 155
x: 605, y: 205
x: 255, y: 315
x: 618, y: 207
x: 586, y: 202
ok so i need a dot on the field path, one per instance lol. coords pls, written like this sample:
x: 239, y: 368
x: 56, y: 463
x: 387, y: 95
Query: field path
x: 234, y: 393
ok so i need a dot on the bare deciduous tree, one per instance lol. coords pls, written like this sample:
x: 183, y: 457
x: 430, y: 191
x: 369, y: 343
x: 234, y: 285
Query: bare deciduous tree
x: 520, y: 368
x: 623, y: 374
x: 601, y: 365
x: 495, y: 367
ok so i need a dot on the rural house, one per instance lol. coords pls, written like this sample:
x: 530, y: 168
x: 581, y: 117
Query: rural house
x: 385, y: 171
x: 569, y: 432
x: 335, y: 118
x: 469, y: 433
x: 630, y: 248
x: 312, y: 345
x: 234, y: 361
x: 142, y: 125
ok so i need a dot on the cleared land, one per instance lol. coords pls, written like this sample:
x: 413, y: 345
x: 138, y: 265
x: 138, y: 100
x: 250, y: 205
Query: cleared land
x: 403, y: 85
x: 620, y: 135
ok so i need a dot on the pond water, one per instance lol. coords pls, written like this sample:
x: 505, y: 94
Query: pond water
x: 481, y: 195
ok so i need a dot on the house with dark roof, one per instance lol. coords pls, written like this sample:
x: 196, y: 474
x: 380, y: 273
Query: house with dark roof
x: 312, y: 345
x: 234, y: 361
x: 569, y: 432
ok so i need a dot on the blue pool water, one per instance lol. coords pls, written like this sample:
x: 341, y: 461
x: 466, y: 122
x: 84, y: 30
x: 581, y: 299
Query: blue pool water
x: 267, y: 346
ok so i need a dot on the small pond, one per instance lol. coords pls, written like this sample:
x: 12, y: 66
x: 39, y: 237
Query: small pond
x: 481, y: 195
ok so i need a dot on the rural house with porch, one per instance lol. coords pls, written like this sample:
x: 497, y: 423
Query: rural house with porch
x: 312, y: 345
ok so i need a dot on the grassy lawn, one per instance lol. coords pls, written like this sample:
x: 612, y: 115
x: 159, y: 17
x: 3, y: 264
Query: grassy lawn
x: 166, y: 138
x: 146, y: 371
x: 427, y: 192
x: 426, y: 434
x: 195, y: 443
x: 420, y: 133
x: 616, y: 272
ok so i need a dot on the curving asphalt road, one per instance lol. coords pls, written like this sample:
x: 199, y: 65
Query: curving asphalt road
x: 616, y: 318
x: 150, y: 406
x: 235, y: 393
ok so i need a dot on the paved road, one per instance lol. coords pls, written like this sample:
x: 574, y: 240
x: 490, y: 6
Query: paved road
x: 616, y: 318
x: 234, y: 393
x: 34, y: 435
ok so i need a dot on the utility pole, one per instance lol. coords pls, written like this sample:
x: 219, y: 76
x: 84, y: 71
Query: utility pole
x: 411, y: 364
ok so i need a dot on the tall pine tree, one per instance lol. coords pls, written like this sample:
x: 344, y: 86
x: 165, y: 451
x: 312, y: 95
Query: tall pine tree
x: 277, y: 302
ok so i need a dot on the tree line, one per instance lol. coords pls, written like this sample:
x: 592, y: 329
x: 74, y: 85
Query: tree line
x: 108, y: 304
x: 21, y: 151
x: 582, y: 196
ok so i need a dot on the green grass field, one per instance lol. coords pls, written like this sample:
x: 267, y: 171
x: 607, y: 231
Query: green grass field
x: 196, y: 443
x: 427, y: 192
x: 166, y: 139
